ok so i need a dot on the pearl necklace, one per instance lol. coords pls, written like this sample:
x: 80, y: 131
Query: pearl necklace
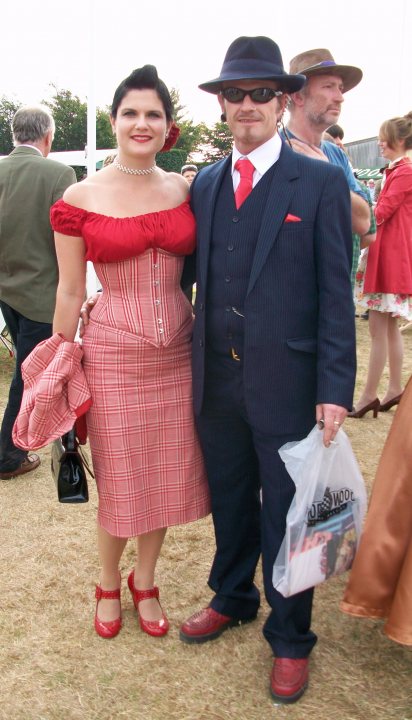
x: 132, y: 171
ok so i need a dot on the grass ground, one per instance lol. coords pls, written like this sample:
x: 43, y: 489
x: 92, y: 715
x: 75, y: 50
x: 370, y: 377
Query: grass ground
x: 54, y: 667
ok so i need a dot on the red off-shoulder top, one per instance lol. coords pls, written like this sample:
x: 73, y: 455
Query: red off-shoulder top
x: 110, y: 239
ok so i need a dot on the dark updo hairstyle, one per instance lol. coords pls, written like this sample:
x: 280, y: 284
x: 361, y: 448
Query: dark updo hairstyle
x: 396, y: 129
x: 144, y: 78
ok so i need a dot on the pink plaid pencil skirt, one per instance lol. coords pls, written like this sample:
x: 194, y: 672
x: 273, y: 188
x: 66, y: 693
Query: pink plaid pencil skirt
x: 146, y: 455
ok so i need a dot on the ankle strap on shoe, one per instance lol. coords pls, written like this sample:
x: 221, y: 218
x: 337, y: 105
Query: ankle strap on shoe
x: 146, y: 594
x: 101, y: 594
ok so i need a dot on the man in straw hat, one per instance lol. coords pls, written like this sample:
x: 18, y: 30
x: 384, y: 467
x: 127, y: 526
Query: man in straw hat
x: 273, y: 345
x: 316, y: 106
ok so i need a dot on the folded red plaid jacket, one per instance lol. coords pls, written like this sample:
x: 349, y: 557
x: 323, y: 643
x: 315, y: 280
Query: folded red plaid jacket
x: 55, y: 393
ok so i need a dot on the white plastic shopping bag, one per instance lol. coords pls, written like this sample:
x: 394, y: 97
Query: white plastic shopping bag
x: 324, y: 521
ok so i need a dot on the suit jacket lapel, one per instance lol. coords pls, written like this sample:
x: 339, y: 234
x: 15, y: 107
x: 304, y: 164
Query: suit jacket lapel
x: 205, y: 211
x: 279, y: 197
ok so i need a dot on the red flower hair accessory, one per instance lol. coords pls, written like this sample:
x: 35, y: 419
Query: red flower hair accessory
x: 171, y: 138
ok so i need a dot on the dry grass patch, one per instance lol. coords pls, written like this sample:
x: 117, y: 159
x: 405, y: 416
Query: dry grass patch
x: 54, y: 667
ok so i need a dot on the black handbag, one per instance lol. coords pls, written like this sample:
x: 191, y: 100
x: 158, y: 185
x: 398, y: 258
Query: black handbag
x: 68, y: 466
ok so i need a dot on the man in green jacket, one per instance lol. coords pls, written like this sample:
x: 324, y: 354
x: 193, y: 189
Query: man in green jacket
x: 29, y: 185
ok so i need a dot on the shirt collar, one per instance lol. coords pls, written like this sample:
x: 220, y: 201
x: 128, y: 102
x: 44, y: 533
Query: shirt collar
x: 396, y: 161
x: 263, y: 157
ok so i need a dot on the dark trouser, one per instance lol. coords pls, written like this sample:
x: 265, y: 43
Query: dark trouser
x: 241, y: 462
x: 25, y: 334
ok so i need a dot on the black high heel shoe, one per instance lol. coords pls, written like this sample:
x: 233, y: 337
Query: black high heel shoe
x: 374, y: 405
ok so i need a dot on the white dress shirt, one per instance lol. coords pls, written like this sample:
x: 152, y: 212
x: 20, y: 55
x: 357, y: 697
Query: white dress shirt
x: 262, y: 158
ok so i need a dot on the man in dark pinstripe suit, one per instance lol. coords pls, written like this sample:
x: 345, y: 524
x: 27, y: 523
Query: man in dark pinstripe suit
x: 273, y: 345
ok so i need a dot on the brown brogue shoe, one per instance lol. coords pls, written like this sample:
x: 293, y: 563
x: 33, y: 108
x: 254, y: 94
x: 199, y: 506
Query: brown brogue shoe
x: 289, y: 679
x: 207, y: 624
x: 31, y: 462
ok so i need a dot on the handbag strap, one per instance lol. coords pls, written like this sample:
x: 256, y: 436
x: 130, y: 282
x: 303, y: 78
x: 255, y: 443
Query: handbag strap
x: 84, y: 459
x: 70, y: 441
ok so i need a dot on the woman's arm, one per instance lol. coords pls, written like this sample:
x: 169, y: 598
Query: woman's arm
x: 72, y: 284
x: 393, y: 195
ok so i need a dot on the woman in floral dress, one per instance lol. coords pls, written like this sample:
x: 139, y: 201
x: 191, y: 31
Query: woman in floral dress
x: 384, y: 279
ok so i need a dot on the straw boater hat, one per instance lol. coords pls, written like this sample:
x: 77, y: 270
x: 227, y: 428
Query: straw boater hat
x: 321, y: 62
x: 254, y: 58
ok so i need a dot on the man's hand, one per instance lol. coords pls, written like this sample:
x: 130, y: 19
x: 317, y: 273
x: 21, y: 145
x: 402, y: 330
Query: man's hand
x: 330, y: 418
x: 308, y: 150
x: 85, y: 311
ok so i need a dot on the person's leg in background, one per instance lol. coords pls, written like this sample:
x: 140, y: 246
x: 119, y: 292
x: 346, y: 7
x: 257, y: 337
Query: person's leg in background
x: 25, y: 335
x: 395, y: 357
x: 378, y: 329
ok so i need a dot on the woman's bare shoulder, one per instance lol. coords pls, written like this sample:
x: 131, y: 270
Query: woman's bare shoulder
x: 177, y: 184
x: 83, y: 194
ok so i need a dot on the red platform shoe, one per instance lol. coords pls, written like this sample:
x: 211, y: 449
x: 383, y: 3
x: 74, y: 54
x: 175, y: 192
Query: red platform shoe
x: 107, y: 628
x: 156, y: 628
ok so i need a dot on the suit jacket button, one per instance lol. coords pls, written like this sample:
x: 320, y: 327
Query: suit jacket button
x: 201, y: 343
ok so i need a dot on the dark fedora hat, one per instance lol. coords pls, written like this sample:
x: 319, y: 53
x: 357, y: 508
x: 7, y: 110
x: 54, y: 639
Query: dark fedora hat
x: 254, y: 58
x: 321, y: 62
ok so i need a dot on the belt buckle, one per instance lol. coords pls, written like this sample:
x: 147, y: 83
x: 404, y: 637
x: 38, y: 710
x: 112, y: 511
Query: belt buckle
x: 234, y: 354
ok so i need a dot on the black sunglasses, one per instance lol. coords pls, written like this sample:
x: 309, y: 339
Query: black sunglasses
x: 257, y: 95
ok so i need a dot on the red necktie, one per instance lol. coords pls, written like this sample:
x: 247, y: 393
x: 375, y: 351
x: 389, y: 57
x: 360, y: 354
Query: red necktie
x: 246, y: 170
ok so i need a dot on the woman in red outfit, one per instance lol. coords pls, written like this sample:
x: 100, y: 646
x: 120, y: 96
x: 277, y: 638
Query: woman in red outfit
x: 385, y: 286
x: 133, y: 221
